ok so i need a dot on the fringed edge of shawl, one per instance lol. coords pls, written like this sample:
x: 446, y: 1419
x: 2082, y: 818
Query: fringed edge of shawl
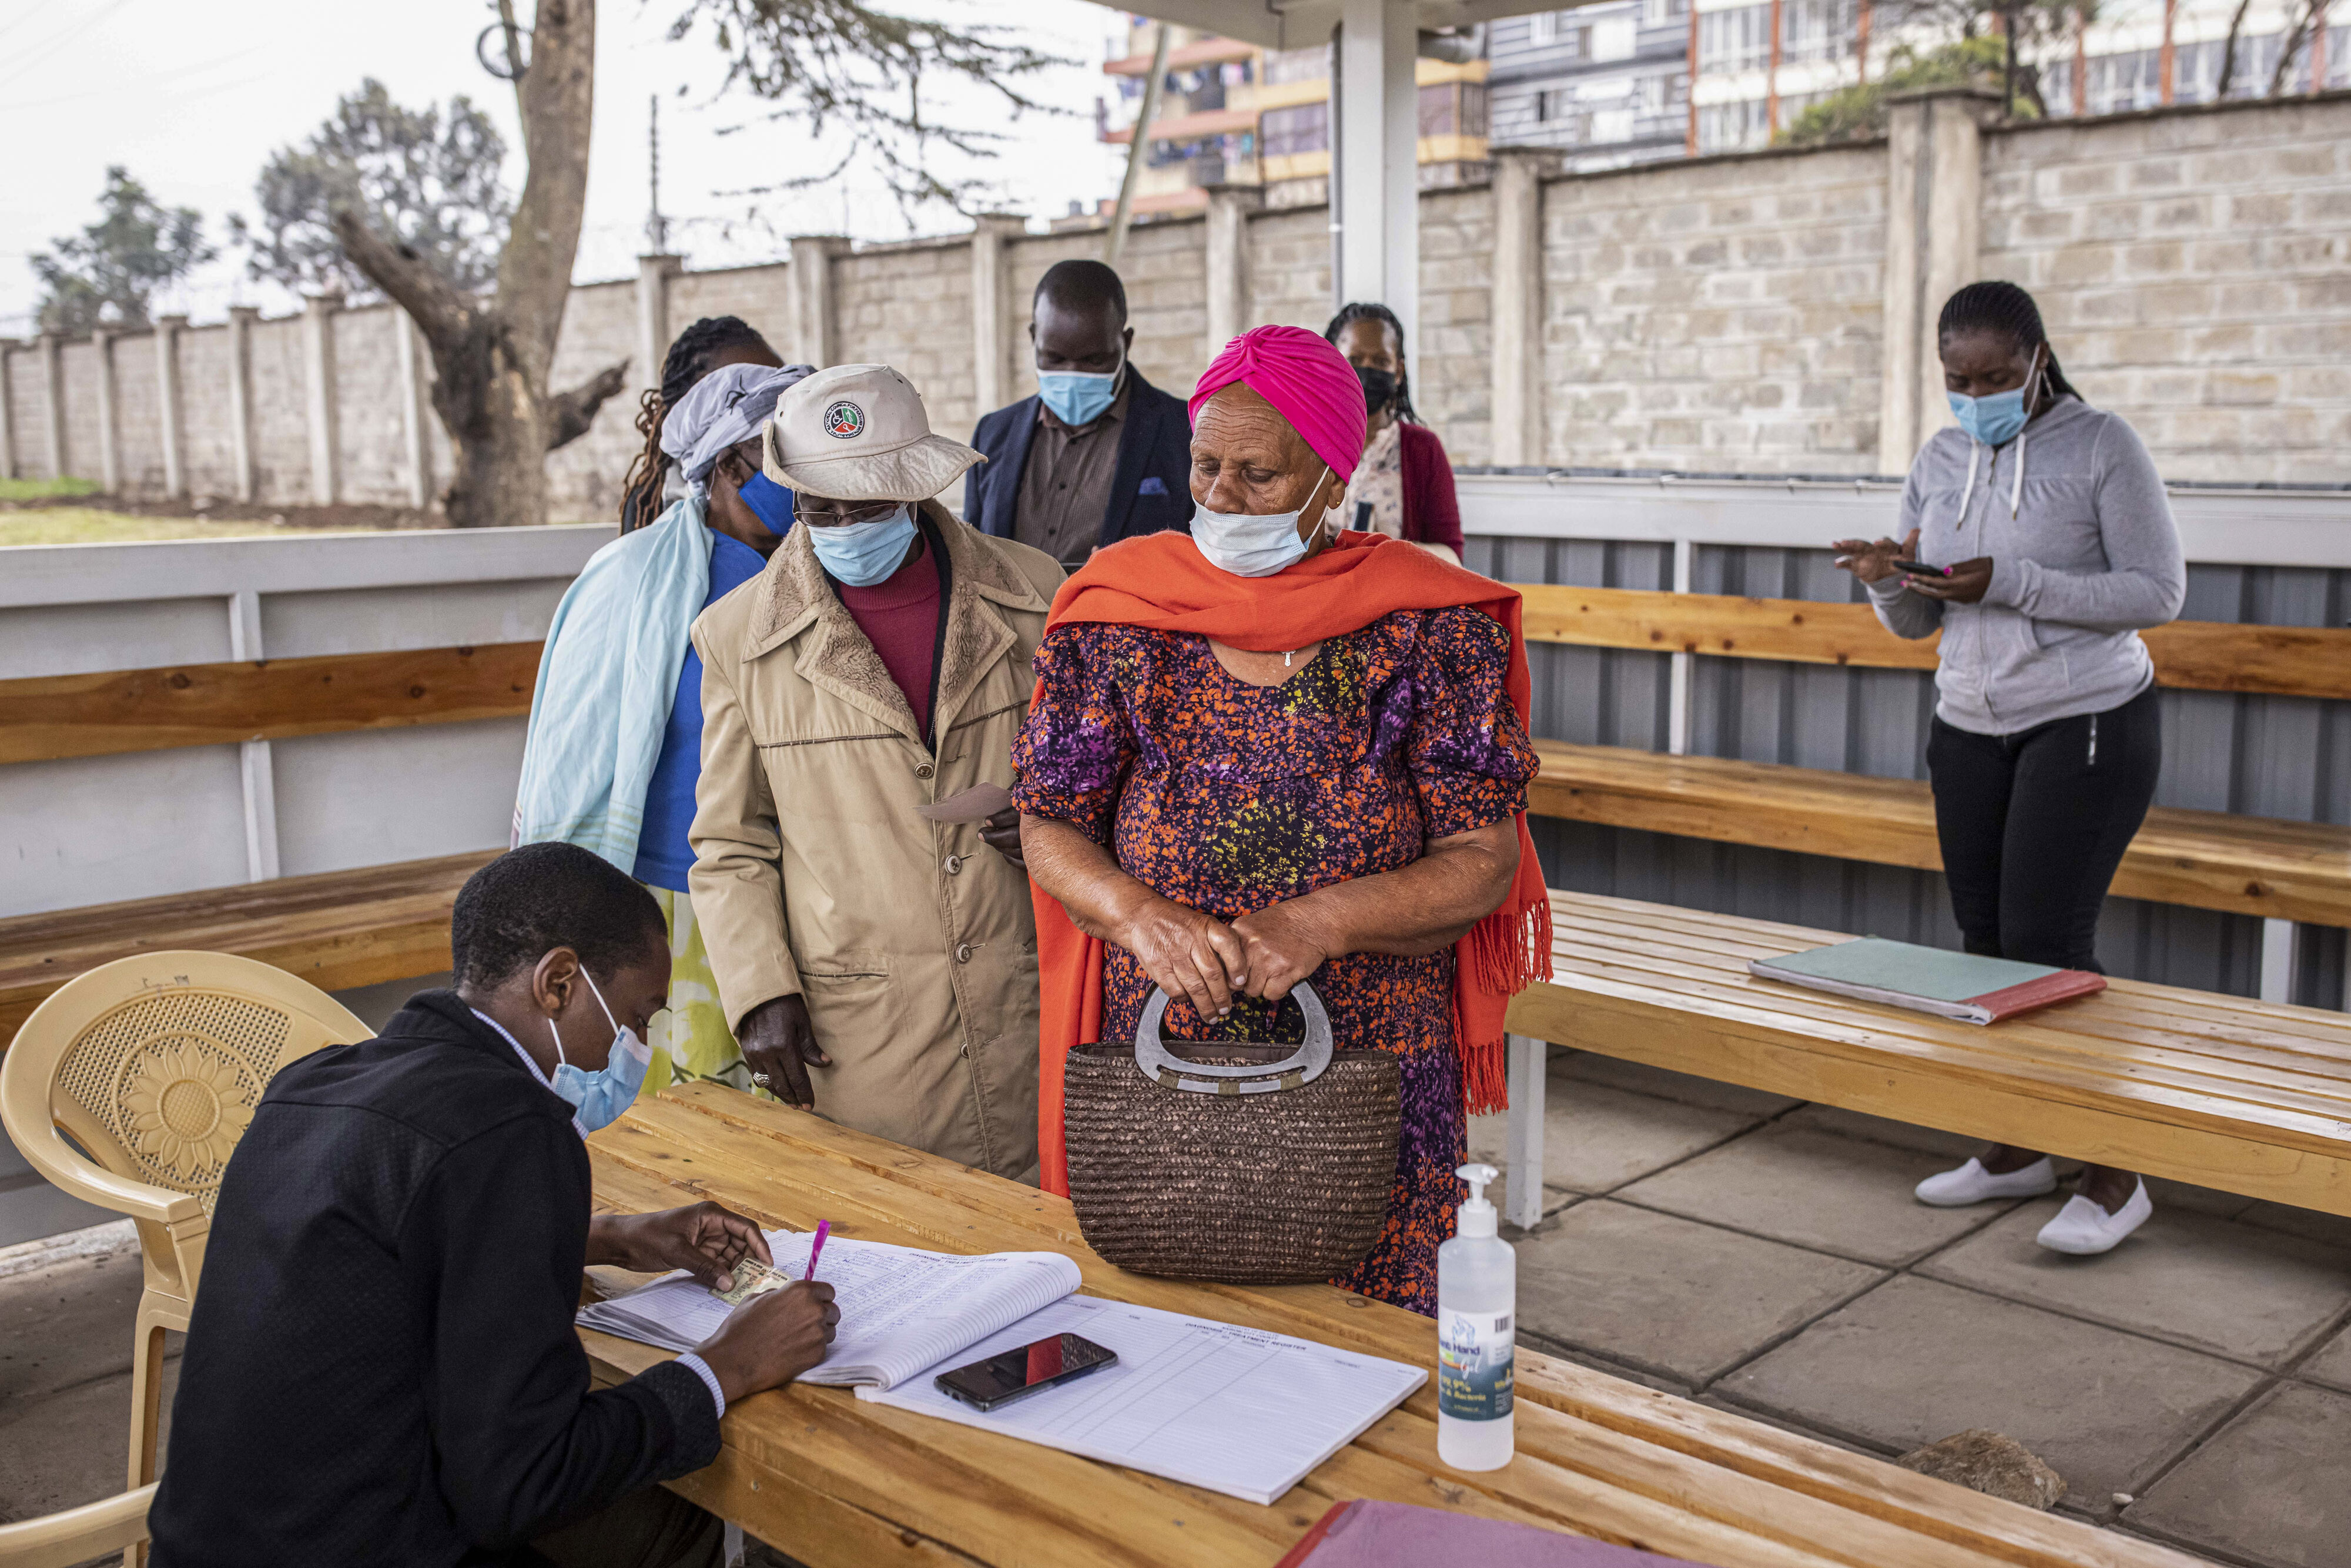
x: 1505, y: 953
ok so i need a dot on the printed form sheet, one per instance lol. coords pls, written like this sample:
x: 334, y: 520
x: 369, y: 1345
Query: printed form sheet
x: 1235, y: 1410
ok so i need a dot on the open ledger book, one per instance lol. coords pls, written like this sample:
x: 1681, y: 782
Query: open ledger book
x: 1235, y: 1410
x: 902, y: 1311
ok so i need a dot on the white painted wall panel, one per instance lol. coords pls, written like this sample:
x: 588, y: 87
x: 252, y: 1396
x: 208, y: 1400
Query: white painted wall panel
x: 440, y: 615
x: 378, y: 795
x: 98, y: 830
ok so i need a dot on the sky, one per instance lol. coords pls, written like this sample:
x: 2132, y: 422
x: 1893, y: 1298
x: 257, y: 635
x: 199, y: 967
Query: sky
x: 192, y: 99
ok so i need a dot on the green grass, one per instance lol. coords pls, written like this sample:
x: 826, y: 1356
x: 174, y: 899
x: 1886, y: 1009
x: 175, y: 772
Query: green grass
x: 41, y: 489
x: 89, y: 526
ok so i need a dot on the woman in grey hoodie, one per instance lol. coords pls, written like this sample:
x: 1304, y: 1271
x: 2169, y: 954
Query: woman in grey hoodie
x: 2047, y: 545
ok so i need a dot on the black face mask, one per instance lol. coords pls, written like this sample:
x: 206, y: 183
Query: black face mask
x: 1380, y: 388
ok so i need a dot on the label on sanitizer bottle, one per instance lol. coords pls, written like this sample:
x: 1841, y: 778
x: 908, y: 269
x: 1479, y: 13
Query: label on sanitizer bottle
x: 1476, y: 1355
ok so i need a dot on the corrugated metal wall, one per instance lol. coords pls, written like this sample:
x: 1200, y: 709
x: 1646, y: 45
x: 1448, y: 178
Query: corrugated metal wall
x: 2273, y: 756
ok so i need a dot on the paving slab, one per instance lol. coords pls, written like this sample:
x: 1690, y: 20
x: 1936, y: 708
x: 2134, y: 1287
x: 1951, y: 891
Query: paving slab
x: 1794, y: 1183
x: 2232, y: 1289
x: 69, y: 1324
x: 2334, y: 1229
x: 1659, y: 1083
x: 1596, y: 1138
x: 1950, y: 1148
x: 2273, y: 1487
x: 2332, y: 1364
x: 1915, y: 1361
x: 70, y: 1448
x: 1670, y: 1295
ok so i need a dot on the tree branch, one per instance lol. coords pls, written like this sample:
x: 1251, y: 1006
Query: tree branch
x: 569, y: 414
x: 557, y: 98
x: 440, y: 312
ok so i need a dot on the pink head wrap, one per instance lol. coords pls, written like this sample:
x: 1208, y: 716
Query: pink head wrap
x: 1308, y: 382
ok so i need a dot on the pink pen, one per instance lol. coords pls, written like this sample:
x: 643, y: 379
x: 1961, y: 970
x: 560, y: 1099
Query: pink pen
x: 823, y: 1229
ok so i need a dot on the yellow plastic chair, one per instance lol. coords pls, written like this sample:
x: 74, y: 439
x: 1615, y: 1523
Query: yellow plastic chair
x: 152, y: 1066
x: 116, y: 1524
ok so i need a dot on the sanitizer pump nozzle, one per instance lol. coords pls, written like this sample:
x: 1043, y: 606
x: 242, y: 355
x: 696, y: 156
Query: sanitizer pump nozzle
x: 1476, y: 1311
x: 1477, y: 1216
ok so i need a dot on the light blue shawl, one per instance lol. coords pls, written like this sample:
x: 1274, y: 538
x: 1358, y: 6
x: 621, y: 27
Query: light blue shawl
x: 605, y: 684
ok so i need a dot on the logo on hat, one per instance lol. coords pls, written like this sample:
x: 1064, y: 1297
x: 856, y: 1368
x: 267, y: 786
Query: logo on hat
x: 845, y: 419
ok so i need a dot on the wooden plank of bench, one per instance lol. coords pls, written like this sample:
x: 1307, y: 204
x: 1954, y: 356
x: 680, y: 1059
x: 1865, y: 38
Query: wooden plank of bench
x: 2208, y: 860
x: 2253, y: 1098
x: 2200, y: 655
x: 51, y: 716
x: 336, y: 929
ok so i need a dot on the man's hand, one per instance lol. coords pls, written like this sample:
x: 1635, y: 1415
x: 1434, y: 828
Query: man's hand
x: 1282, y: 945
x: 771, y: 1339
x: 1186, y: 953
x: 1002, y: 833
x: 703, y: 1239
x: 1872, y: 560
x: 1967, y: 583
x: 780, y: 1045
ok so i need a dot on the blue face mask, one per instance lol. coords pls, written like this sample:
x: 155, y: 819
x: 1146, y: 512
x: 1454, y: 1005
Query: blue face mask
x: 1249, y: 545
x: 1993, y: 419
x: 1079, y: 397
x: 862, y: 554
x: 769, y: 502
x: 601, y: 1097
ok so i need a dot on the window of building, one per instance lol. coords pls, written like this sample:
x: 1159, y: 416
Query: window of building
x: 1658, y: 13
x: 2116, y: 83
x: 1543, y: 29
x: 1737, y: 40
x: 1818, y: 29
x: 1611, y: 38
x: 1662, y: 94
x: 1733, y: 127
x: 1303, y: 127
x: 1298, y: 65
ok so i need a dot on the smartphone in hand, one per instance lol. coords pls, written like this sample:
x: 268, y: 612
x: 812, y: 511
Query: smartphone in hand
x: 1920, y: 568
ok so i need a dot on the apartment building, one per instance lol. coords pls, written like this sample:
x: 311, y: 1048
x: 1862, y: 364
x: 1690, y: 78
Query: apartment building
x: 1233, y: 113
x: 1606, y: 85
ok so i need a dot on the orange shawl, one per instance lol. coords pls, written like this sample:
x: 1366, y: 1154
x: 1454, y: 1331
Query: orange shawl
x: 1162, y: 582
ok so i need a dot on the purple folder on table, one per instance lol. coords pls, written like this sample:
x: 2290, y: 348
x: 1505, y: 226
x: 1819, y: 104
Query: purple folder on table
x: 1367, y: 1534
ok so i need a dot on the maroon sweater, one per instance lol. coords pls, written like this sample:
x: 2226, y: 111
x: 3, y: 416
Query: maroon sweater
x: 1432, y: 514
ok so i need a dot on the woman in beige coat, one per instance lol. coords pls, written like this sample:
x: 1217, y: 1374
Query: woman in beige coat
x: 878, y: 965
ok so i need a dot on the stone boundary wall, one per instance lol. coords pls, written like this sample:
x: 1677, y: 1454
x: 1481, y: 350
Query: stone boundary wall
x: 1763, y: 313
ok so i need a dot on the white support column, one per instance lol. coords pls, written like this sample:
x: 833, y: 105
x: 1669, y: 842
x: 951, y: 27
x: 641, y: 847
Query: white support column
x: 416, y: 443
x: 253, y: 756
x: 110, y: 423
x: 170, y: 405
x: 1933, y: 220
x: 53, y: 387
x: 241, y: 319
x: 653, y: 273
x: 1376, y: 188
x: 318, y: 381
x: 1677, y: 692
x: 1522, y: 1200
x: 2278, y: 956
x: 8, y: 470
x: 816, y: 324
x: 1517, y: 304
x: 1229, y: 208
x: 991, y: 309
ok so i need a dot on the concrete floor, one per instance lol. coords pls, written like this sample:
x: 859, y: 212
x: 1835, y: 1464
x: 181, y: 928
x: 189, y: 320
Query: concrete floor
x: 1766, y: 1256
x: 2193, y: 1386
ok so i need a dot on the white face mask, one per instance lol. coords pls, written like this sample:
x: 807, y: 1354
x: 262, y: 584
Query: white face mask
x: 1249, y: 545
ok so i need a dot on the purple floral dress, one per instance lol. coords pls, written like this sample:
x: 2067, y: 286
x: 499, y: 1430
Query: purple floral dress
x: 1227, y: 797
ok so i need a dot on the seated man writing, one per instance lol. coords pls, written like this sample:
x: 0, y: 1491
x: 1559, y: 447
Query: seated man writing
x: 381, y: 1367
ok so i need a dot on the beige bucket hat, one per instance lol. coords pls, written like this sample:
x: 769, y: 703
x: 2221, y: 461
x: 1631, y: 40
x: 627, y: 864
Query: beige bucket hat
x: 858, y: 433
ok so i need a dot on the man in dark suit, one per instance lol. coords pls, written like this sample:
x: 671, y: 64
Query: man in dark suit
x: 1100, y: 454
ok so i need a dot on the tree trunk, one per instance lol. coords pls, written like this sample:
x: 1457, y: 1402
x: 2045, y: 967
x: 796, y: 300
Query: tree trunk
x: 2228, y: 51
x: 2291, y: 48
x: 491, y: 359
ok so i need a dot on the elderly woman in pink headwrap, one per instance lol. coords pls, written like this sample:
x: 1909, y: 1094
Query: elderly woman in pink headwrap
x: 1268, y: 751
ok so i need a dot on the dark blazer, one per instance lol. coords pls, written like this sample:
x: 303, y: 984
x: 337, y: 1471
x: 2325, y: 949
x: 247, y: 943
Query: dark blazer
x: 1152, y: 490
x: 382, y: 1367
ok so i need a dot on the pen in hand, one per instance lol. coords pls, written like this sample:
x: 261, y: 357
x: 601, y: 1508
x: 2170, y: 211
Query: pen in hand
x: 816, y: 1248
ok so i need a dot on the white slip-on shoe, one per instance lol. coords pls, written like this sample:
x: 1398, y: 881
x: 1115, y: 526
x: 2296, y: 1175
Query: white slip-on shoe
x: 1973, y: 1183
x: 2084, y: 1229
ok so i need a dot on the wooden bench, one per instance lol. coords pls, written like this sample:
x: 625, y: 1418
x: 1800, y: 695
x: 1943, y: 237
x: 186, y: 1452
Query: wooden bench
x: 2281, y: 871
x: 336, y: 930
x: 2246, y: 1096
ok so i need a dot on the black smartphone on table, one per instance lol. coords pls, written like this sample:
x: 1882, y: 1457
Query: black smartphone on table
x: 1022, y: 1371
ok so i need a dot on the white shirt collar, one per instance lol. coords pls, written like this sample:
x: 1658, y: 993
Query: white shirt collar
x: 527, y: 1062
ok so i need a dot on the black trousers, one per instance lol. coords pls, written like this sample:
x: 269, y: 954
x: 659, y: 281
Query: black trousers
x: 2032, y: 826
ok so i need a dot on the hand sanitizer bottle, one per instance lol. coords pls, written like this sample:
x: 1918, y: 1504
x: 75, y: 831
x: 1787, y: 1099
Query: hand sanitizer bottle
x: 1476, y: 1311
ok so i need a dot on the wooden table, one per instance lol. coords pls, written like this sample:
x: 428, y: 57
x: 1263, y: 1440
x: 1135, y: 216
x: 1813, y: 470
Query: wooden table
x: 833, y: 1482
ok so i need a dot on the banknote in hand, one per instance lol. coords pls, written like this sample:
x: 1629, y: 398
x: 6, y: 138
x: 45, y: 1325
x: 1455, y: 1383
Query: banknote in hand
x: 752, y: 1278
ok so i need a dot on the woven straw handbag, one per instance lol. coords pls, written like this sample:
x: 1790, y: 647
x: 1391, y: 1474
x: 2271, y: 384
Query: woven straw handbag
x: 1248, y: 1164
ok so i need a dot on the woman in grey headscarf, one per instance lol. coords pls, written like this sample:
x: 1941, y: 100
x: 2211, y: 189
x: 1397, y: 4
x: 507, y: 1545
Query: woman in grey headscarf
x: 615, y: 742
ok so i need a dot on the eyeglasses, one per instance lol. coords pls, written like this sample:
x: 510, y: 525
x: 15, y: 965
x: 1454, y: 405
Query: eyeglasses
x: 825, y: 514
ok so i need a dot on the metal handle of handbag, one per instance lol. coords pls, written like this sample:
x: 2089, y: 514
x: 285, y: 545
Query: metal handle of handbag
x: 1154, y: 1062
